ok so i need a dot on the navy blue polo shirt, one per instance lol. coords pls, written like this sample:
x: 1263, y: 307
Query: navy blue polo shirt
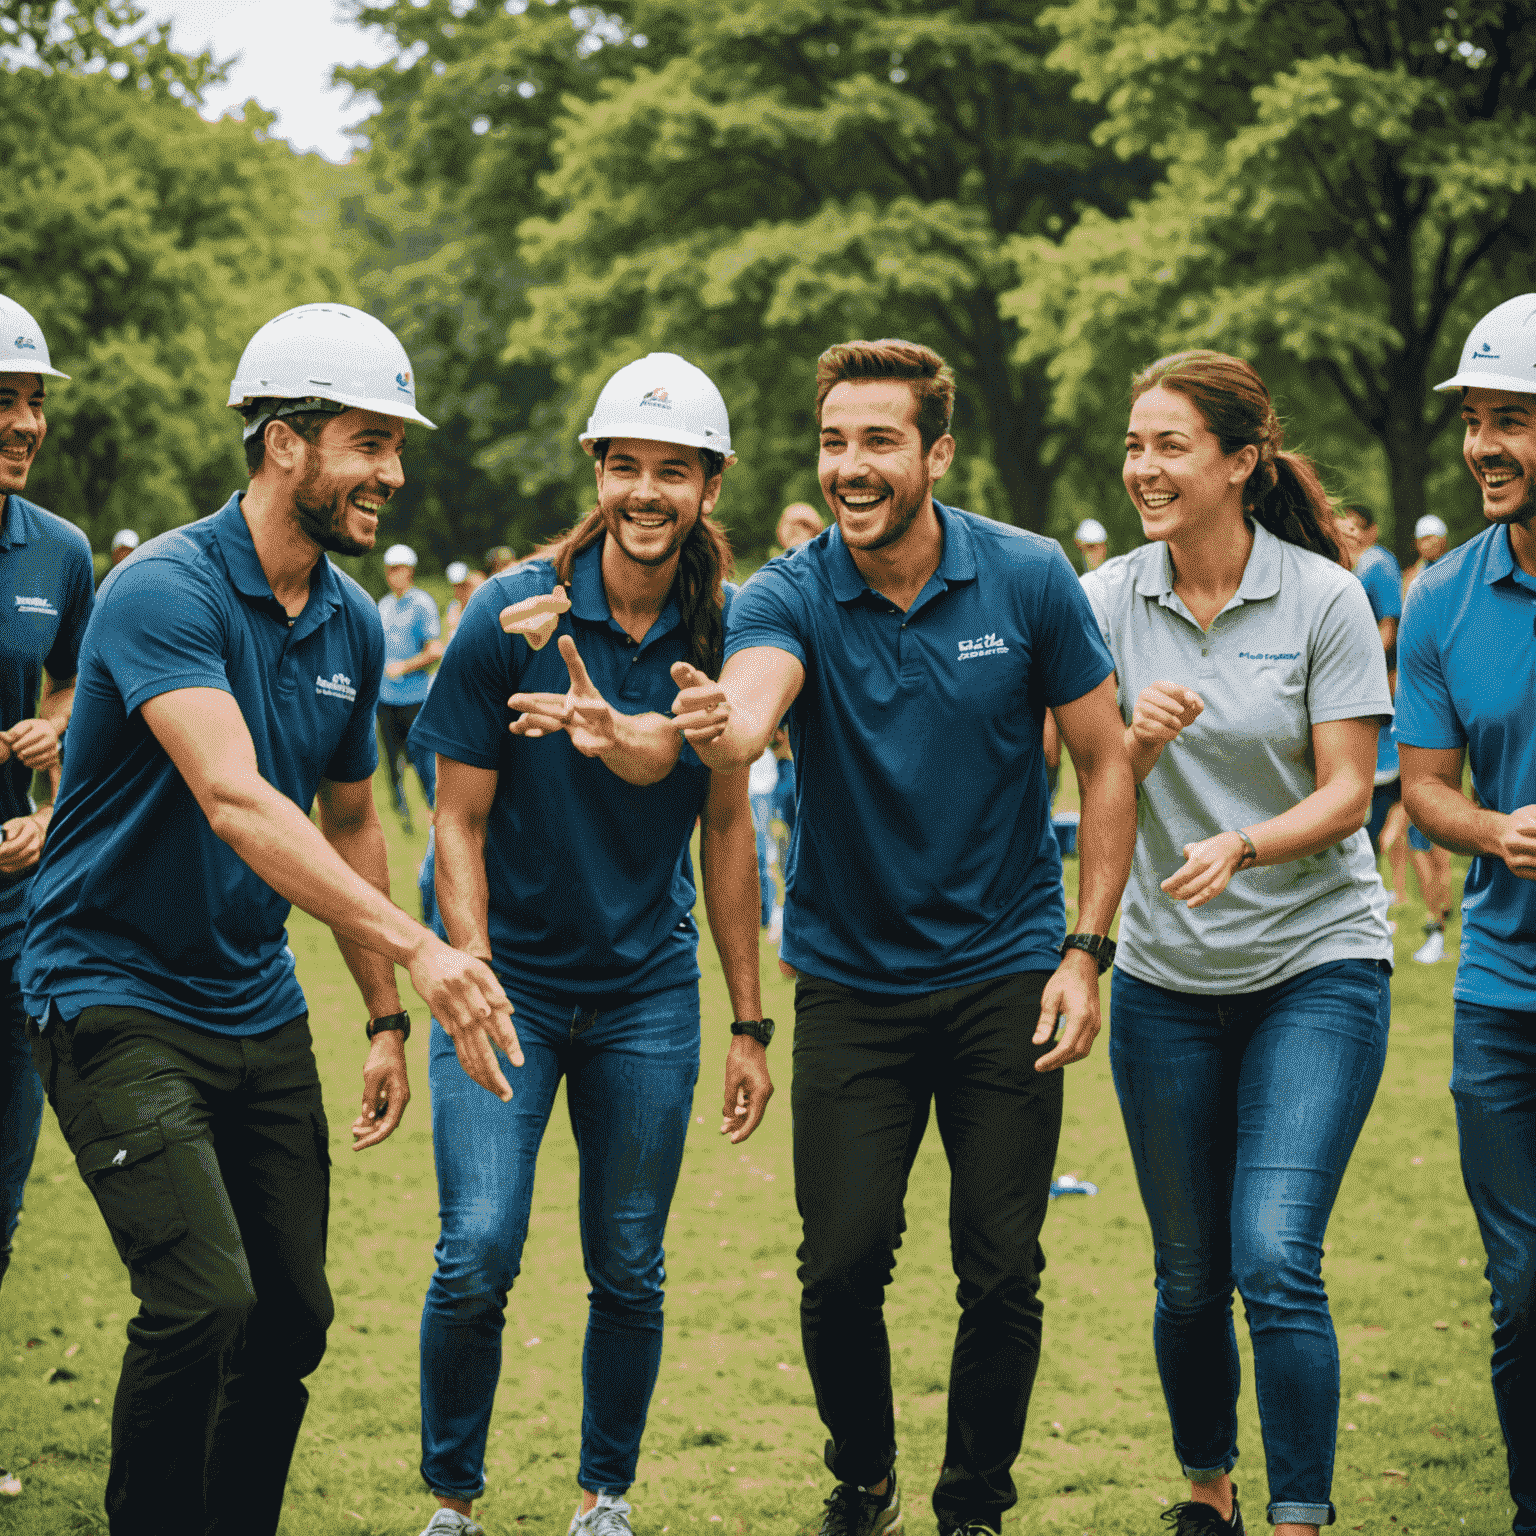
x: 922, y: 855
x: 137, y: 902
x: 1467, y: 679
x: 590, y: 883
x: 46, y: 592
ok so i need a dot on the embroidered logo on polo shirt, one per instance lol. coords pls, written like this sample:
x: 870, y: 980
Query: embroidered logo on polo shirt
x: 337, y: 686
x: 38, y: 605
x: 986, y: 645
x: 1268, y: 655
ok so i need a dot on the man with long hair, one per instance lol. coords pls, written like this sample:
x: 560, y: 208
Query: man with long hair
x: 917, y: 649
x: 1464, y: 699
x: 563, y: 824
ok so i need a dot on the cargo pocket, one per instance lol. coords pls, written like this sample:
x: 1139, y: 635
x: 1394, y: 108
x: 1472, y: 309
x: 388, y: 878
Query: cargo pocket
x: 128, y: 1175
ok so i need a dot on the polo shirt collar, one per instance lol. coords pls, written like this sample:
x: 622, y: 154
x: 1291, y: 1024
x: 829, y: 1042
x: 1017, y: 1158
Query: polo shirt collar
x: 245, y: 572
x: 1501, y: 558
x: 589, y: 597
x: 1261, y: 576
x: 16, y: 524
x: 956, y: 563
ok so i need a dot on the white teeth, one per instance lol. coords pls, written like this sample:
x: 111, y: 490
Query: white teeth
x: 1157, y: 498
x: 861, y: 501
x: 1494, y: 481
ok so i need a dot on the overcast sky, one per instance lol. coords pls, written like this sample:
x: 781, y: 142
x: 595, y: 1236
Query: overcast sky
x: 287, y: 50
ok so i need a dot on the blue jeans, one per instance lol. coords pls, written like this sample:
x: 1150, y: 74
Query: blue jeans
x: 1242, y: 1111
x: 21, y: 1108
x: 1493, y: 1081
x: 630, y: 1066
x: 784, y: 794
x: 762, y: 816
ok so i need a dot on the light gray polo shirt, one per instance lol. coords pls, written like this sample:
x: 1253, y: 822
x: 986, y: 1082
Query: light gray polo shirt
x: 1296, y: 646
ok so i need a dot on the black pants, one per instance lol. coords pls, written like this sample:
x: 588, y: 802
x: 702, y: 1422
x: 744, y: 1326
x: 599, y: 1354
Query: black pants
x: 207, y: 1156
x: 395, y: 722
x: 865, y: 1069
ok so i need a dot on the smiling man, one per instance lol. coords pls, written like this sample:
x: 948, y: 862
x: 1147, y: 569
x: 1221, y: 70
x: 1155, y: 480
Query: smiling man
x: 563, y: 826
x: 917, y: 649
x: 1464, y: 692
x: 227, y: 682
x: 45, y: 600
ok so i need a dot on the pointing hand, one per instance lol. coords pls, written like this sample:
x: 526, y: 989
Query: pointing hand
x: 581, y: 711
x: 536, y: 618
x: 701, y: 710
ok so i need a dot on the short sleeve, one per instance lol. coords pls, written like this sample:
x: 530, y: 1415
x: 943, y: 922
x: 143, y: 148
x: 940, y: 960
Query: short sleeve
x: 161, y: 629
x: 357, y: 753
x: 1426, y: 714
x: 767, y: 611
x: 1068, y: 639
x: 465, y: 716
x: 1346, y: 666
x: 428, y: 625
x: 63, y: 660
x: 1384, y: 587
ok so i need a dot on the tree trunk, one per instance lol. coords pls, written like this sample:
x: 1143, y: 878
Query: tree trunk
x: 1406, y: 436
x: 1011, y: 404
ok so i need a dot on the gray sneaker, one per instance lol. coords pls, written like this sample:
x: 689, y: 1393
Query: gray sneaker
x: 449, y: 1522
x: 608, y: 1517
x: 854, y: 1511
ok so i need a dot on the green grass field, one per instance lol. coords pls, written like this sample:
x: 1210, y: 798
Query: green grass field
x: 733, y: 1437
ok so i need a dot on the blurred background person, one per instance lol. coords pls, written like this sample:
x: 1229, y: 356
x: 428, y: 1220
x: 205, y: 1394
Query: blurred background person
x: 465, y: 582
x: 499, y: 558
x: 1092, y: 540
x: 412, y: 644
x: 1430, y: 538
x: 762, y: 788
x: 124, y: 542
x: 798, y: 522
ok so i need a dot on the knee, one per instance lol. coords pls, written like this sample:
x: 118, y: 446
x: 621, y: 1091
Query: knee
x: 1189, y: 1284
x: 627, y: 1278
x: 476, y: 1267
x: 1275, y: 1272
x: 852, y: 1272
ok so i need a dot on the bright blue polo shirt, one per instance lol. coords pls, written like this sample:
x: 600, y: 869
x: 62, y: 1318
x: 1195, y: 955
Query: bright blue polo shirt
x: 591, y: 887
x: 47, y: 588
x: 409, y: 622
x: 1383, y: 583
x: 1467, y: 678
x: 137, y: 902
x: 922, y: 856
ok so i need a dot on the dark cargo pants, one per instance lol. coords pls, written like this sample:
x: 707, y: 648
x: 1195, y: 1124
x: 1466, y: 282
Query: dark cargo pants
x: 207, y: 1157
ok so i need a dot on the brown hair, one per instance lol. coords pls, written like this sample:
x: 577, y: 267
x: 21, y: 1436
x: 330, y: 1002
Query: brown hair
x: 308, y: 424
x: 704, y: 565
x: 1284, y: 492
x: 931, y: 378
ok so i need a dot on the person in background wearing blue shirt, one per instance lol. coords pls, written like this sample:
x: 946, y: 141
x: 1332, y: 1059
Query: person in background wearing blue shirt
x: 1465, y: 692
x: 227, y: 681
x: 562, y: 860
x: 46, y: 594
x: 917, y: 649
x: 411, y: 645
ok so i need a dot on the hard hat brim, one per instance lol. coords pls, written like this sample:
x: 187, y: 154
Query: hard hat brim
x: 25, y: 365
x: 359, y: 402
x: 646, y: 432
x: 1481, y: 380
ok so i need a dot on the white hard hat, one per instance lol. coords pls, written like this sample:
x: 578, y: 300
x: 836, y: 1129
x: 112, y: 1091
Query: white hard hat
x: 400, y: 554
x: 1428, y: 526
x: 1501, y: 350
x: 662, y: 398
x: 22, y: 348
x: 457, y: 572
x: 125, y: 538
x: 1091, y: 531
x: 326, y: 352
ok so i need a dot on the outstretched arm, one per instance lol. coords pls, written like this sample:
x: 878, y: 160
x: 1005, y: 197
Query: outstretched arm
x: 1433, y: 798
x: 728, y: 723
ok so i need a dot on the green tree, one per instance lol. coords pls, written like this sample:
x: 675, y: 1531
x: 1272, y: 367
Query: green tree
x: 746, y: 183
x: 150, y: 245
x: 1350, y: 183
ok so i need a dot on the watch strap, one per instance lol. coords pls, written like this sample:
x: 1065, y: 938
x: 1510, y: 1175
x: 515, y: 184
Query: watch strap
x: 760, y: 1030
x: 400, y: 1021
x: 1099, y: 945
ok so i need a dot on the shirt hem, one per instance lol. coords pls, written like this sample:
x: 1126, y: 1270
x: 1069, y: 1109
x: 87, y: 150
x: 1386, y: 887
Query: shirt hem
x: 1308, y: 960
x: 72, y: 1004
x: 1033, y: 960
x: 176, y: 681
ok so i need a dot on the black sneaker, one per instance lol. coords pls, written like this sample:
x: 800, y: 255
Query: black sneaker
x: 1192, y: 1519
x: 976, y: 1527
x: 853, y: 1511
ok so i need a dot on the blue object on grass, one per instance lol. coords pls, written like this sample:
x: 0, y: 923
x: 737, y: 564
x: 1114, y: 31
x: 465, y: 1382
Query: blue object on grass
x: 1064, y: 824
x: 1070, y: 1184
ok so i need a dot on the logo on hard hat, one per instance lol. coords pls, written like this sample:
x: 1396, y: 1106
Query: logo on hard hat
x: 403, y: 381
x: 1485, y: 356
x: 657, y: 397
x: 27, y: 342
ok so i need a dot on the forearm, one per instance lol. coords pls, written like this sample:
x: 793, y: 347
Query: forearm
x: 362, y: 849
x: 56, y: 703
x: 742, y: 742
x: 1143, y: 755
x: 1106, y: 839
x: 732, y: 902
x: 1329, y: 814
x: 285, y: 848
x: 463, y: 894
x: 646, y: 749
x: 421, y: 660
x: 1449, y: 820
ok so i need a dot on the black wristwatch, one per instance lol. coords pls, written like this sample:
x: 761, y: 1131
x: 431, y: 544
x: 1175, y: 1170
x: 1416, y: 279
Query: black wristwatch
x: 761, y: 1030
x: 400, y: 1021
x: 1096, y: 944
